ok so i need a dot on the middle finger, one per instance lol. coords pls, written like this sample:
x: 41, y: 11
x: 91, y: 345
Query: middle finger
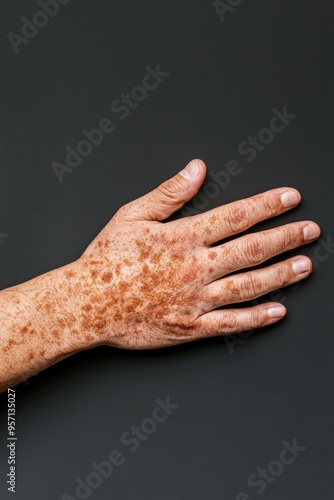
x: 253, y: 249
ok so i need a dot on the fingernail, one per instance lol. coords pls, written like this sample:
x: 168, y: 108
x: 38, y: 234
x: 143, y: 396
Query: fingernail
x: 276, y: 312
x: 311, y: 232
x: 191, y: 171
x: 290, y: 198
x: 301, y: 266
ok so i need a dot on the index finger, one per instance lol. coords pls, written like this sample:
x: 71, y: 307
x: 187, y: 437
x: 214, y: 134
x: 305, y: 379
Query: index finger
x: 236, y: 217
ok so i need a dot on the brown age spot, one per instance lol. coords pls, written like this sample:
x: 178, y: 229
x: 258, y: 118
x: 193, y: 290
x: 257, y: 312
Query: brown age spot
x: 55, y: 333
x: 123, y: 287
x: 94, y: 273
x: 145, y: 270
x: 99, y: 243
x: 147, y: 294
x: 106, y: 243
x: 61, y: 322
x: 86, y: 308
x: 107, y: 277
x: 69, y: 274
x: 132, y: 305
x: 94, y: 323
x: 144, y: 250
x: 95, y: 299
x: 212, y: 255
x: 10, y: 344
x: 103, y: 310
x: 155, y: 258
x: 232, y: 288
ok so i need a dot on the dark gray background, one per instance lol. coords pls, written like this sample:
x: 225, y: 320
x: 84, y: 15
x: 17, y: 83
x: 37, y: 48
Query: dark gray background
x: 225, y: 78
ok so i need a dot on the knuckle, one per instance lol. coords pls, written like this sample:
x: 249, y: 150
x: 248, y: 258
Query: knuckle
x: 258, y: 317
x: 169, y: 189
x: 290, y: 237
x: 231, y: 289
x: 282, y: 276
x: 122, y: 211
x: 227, y: 323
x: 251, y: 286
x: 182, y: 324
x: 237, y: 216
x: 254, y: 251
x: 270, y: 206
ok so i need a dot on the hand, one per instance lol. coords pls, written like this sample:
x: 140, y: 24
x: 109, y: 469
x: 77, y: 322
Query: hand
x: 144, y: 284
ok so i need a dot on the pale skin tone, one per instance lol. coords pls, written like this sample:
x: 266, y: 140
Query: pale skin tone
x: 145, y: 284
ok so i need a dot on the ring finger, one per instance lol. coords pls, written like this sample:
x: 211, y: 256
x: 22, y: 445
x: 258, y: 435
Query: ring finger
x: 252, y: 284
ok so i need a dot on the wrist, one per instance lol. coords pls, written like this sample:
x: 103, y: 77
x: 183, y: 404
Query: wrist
x: 62, y: 309
x: 39, y: 325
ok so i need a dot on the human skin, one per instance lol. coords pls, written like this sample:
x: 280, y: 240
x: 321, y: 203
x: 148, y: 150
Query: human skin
x: 145, y: 284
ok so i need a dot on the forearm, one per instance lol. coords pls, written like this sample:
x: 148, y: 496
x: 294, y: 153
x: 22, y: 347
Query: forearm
x: 145, y: 284
x: 38, y: 328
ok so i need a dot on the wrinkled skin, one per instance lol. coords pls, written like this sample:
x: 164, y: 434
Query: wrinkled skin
x: 144, y: 283
x: 149, y: 284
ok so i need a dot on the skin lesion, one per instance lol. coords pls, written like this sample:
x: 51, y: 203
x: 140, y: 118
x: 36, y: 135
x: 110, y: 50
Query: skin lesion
x: 234, y: 291
x: 69, y: 274
x: 144, y: 250
x: 87, y: 308
x: 127, y: 289
x: 12, y: 342
x: 107, y: 277
x: 93, y: 274
x: 212, y: 255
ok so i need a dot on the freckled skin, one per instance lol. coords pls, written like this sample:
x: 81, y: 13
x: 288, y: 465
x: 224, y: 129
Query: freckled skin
x: 212, y: 255
x: 132, y: 306
x: 69, y: 274
x: 144, y: 283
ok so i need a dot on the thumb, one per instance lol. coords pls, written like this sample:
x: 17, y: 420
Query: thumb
x: 170, y: 196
